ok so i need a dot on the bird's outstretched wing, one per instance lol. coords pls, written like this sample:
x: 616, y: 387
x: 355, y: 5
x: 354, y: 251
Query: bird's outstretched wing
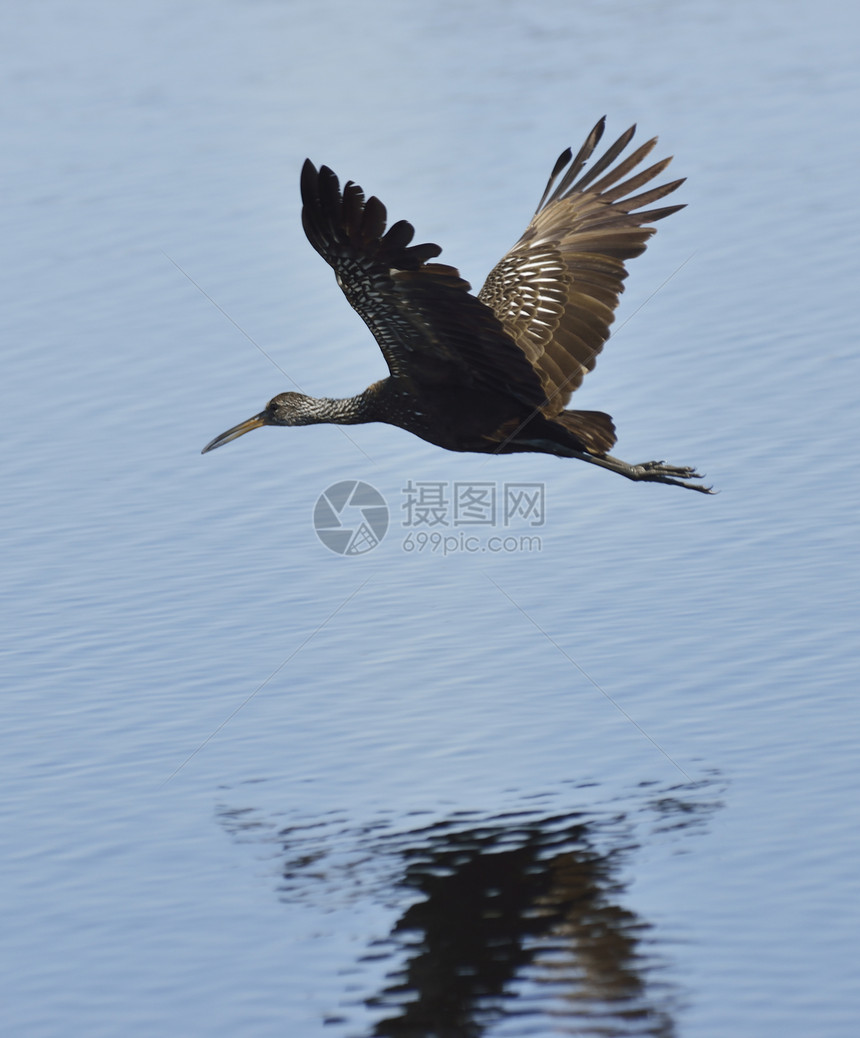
x: 555, y: 292
x: 428, y: 324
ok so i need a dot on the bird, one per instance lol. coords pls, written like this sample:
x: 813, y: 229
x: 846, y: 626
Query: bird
x: 490, y: 373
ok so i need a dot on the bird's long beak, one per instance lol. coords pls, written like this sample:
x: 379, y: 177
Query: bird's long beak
x: 257, y: 422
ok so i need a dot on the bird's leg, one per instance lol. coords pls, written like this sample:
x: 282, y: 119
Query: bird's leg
x: 646, y: 471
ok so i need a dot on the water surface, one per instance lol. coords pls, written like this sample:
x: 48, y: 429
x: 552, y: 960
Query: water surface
x: 255, y: 787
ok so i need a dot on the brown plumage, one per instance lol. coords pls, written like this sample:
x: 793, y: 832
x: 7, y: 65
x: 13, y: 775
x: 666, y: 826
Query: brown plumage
x: 490, y: 373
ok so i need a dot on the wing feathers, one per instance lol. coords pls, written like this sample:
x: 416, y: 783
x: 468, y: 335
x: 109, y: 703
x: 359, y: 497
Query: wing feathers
x: 661, y: 214
x: 557, y: 289
x: 582, y: 156
x: 625, y: 167
x: 428, y: 325
x: 607, y: 160
x: 631, y: 184
x: 647, y: 197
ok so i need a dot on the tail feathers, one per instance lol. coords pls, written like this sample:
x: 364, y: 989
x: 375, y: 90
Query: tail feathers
x: 594, y: 428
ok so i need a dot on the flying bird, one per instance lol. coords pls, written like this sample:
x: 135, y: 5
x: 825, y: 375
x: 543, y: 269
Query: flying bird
x: 490, y: 373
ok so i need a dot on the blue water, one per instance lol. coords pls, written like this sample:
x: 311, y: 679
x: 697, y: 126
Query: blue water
x: 251, y: 786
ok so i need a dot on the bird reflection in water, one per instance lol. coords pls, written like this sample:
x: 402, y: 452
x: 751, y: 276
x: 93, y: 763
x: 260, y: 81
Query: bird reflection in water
x: 490, y: 373
x: 514, y: 921
x: 518, y: 920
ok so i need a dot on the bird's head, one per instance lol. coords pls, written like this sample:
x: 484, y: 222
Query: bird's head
x: 283, y: 409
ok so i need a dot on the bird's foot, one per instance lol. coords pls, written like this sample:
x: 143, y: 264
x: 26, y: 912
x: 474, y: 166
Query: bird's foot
x: 677, y: 475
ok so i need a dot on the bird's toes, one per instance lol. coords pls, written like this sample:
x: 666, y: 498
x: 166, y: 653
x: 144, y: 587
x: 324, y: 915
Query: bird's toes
x: 660, y: 472
x: 660, y: 468
x: 696, y: 486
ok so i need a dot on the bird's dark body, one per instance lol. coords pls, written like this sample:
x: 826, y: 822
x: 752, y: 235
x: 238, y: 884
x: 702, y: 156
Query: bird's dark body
x: 490, y: 373
x: 459, y: 419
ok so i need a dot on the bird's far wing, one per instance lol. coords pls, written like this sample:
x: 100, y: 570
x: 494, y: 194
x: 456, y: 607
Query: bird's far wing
x: 428, y: 324
x: 555, y: 292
